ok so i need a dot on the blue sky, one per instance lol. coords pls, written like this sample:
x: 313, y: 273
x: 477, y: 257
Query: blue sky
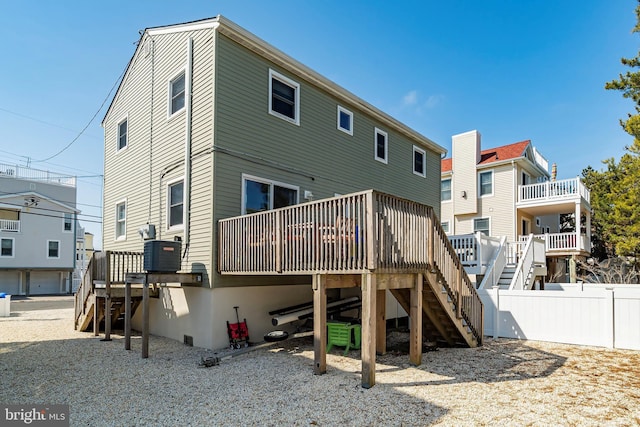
x: 514, y: 70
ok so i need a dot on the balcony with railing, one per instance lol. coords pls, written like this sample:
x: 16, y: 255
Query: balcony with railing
x: 553, y: 196
x: 563, y: 243
x: 10, y: 225
x: 21, y: 172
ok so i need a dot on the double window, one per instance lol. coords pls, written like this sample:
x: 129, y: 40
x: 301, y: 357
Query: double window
x: 177, y: 94
x: 121, y: 220
x: 53, y: 249
x: 175, y: 200
x: 6, y: 247
x: 419, y: 162
x: 284, y: 97
x: 445, y: 190
x: 381, y: 146
x: 345, y: 120
x: 485, y: 183
x: 261, y: 194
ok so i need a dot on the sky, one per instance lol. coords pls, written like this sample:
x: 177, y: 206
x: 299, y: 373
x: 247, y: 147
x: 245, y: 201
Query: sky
x: 514, y: 70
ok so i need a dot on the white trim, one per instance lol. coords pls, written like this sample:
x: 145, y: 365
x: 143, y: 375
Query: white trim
x: 118, y: 123
x: 376, y: 132
x: 59, y: 249
x: 64, y: 216
x: 424, y: 162
x: 126, y: 208
x: 480, y: 184
x: 247, y: 177
x: 177, y: 74
x: 168, y: 204
x: 33, y: 193
x: 13, y: 247
x: 295, y: 86
x: 341, y: 109
x: 481, y: 217
x: 450, y: 199
x: 179, y: 28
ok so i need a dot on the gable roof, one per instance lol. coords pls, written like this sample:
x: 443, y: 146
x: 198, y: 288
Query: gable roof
x: 273, y: 54
x: 492, y: 155
x: 5, y: 198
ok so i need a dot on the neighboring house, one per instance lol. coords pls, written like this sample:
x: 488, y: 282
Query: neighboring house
x: 508, y: 191
x: 211, y: 122
x: 37, y: 231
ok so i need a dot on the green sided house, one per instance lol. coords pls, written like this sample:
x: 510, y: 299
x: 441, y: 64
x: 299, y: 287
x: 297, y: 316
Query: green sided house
x: 263, y: 170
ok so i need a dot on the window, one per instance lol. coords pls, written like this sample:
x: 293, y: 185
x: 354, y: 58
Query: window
x: 345, y: 120
x: 6, y: 247
x: 481, y: 225
x: 121, y: 221
x: 485, y: 181
x: 175, y: 200
x: 53, y: 249
x: 445, y: 190
x: 67, y: 222
x: 445, y: 226
x: 176, y: 94
x: 381, y: 146
x: 419, y: 161
x: 123, y: 134
x: 261, y: 195
x: 284, y: 97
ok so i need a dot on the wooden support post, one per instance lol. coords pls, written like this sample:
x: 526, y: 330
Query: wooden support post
x: 369, y: 293
x: 127, y: 316
x: 458, y: 287
x: 415, y: 331
x: 107, y: 318
x: 96, y: 314
x: 145, y: 318
x: 381, y: 322
x: 319, y: 324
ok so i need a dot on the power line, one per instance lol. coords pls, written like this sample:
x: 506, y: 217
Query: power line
x: 48, y: 210
x: 88, y: 124
x: 58, y: 217
x: 66, y: 202
x: 41, y: 121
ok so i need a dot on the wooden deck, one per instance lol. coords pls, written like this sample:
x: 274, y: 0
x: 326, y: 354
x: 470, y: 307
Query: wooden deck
x: 370, y: 240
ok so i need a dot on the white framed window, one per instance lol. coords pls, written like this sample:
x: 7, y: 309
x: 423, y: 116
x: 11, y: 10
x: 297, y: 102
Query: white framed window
x: 53, y: 249
x: 284, y: 97
x: 485, y: 183
x: 67, y: 222
x: 381, y: 146
x: 175, y: 204
x: 121, y: 220
x: 259, y: 194
x: 445, y: 190
x: 445, y: 226
x: 345, y: 120
x: 547, y: 229
x: 123, y: 134
x: 419, y: 162
x: 482, y: 225
x: 537, y: 221
x: 7, y: 247
x: 177, y: 93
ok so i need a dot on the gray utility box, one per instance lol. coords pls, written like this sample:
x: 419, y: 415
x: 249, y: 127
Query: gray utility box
x: 162, y: 256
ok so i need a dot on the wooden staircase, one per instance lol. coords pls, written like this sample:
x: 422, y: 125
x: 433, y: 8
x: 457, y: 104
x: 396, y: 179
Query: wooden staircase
x: 103, y: 284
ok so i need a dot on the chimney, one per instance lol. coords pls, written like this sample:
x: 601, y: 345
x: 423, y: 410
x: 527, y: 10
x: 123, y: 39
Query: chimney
x: 554, y: 172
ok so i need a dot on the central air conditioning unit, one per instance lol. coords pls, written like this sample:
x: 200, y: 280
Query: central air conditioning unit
x: 162, y: 256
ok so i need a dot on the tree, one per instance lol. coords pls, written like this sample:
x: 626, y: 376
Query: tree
x: 616, y: 191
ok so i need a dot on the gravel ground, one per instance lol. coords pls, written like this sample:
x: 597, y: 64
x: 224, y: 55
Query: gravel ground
x: 505, y: 382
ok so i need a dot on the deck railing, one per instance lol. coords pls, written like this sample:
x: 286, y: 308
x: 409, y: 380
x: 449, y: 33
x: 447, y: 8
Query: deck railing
x: 365, y: 231
x: 13, y: 171
x: 554, y: 190
x: 108, y: 267
x: 9, y: 225
x: 475, y: 251
x: 563, y: 242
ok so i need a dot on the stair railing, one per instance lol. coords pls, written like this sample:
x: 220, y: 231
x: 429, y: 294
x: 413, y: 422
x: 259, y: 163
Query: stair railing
x: 496, y: 266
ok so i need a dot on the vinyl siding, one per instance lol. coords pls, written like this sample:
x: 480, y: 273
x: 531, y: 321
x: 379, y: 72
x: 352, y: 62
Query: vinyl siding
x: 315, y: 155
x: 155, y: 152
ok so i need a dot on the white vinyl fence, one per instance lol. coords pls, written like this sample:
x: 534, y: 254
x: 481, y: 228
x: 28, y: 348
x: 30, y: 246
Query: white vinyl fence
x: 596, y: 315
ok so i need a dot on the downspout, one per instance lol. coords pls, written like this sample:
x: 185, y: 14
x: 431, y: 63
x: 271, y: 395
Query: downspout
x: 187, y: 148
